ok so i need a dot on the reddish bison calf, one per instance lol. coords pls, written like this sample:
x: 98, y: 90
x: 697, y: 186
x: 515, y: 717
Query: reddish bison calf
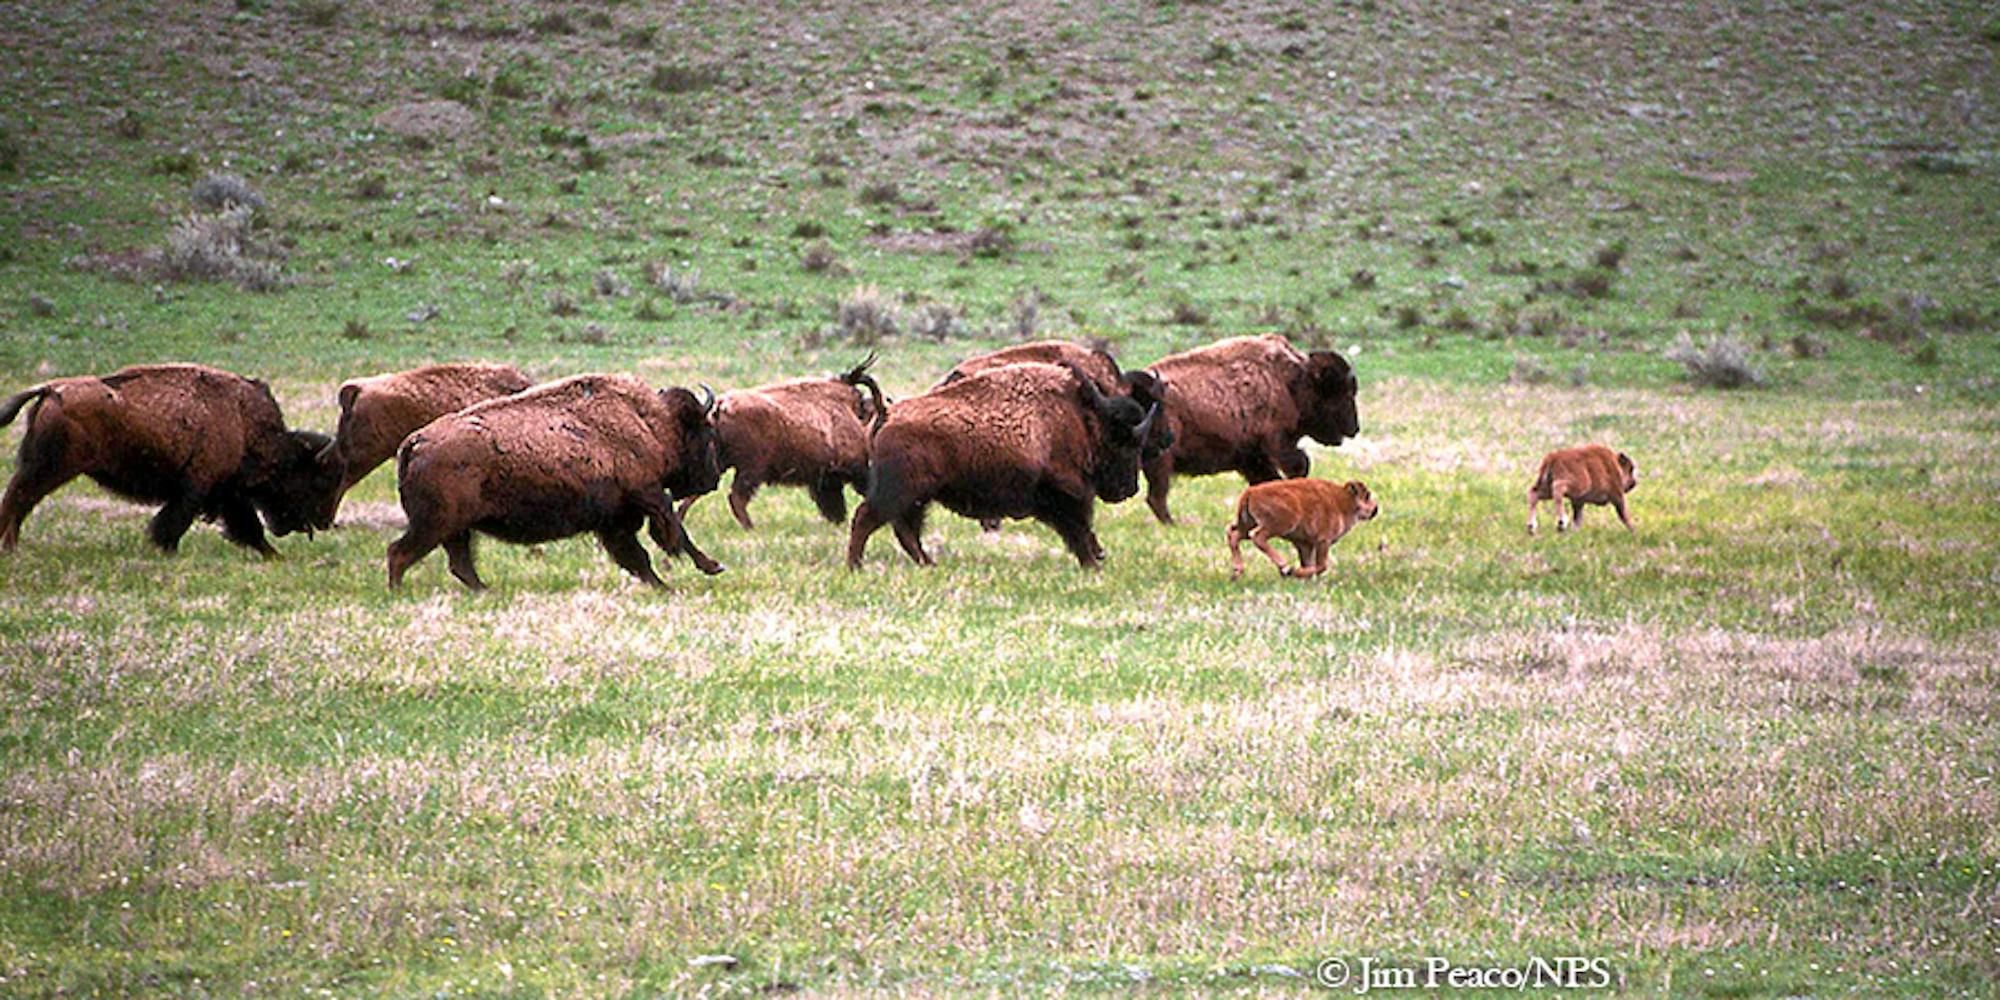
x: 1242, y: 404
x: 202, y: 442
x: 378, y: 412
x: 1312, y: 514
x: 595, y: 453
x: 810, y: 432
x: 1589, y: 474
x: 1028, y: 440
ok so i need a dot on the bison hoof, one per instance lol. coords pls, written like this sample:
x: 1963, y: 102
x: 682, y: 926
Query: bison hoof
x: 711, y: 567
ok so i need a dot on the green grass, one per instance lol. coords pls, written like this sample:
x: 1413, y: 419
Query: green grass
x: 1746, y: 750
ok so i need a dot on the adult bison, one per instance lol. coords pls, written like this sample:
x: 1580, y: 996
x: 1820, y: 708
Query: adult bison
x: 1242, y: 404
x: 595, y: 453
x: 1027, y: 440
x: 199, y: 441
x: 1144, y: 387
x: 378, y: 412
x: 810, y: 432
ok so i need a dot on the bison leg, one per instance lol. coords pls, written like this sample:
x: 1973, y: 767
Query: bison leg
x: 1312, y: 559
x: 1261, y: 537
x: 39, y: 474
x: 1534, y: 506
x: 1070, y: 517
x: 1235, y: 551
x: 631, y: 556
x: 1618, y: 504
x: 458, y: 555
x: 241, y: 525
x: 404, y: 552
x: 173, y: 521
x: 830, y: 497
x: 866, y: 521
x: 1559, y: 495
x: 664, y: 524
x: 1292, y: 461
x: 740, y: 493
x: 1575, y: 512
x: 1159, y: 480
x: 910, y: 535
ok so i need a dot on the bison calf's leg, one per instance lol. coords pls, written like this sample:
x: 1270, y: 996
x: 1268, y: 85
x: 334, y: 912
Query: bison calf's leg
x: 1575, y: 512
x: 458, y: 554
x: 1235, y: 551
x: 240, y: 525
x: 630, y: 556
x: 173, y: 522
x: 1618, y: 504
x: 1261, y: 537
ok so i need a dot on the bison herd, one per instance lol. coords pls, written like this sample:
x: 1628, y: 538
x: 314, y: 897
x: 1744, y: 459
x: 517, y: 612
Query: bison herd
x: 1041, y: 430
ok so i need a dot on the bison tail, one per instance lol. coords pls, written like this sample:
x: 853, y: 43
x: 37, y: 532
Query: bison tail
x: 861, y: 378
x: 1545, y: 479
x: 12, y: 405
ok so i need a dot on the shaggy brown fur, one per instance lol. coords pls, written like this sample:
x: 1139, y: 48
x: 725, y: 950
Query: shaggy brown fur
x: 1242, y: 404
x: 1144, y: 387
x: 594, y: 453
x: 1588, y: 474
x: 378, y: 412
x: 810, y: 432
x: 202, y: 442
x: 1312, y: 514
x: 1099, y: 365
x: 1028, y: 440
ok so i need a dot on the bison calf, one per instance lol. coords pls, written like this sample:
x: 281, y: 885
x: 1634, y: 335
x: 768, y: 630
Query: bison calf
x: 200, y: 441
x: 1312, y: 514
x: 810, y: 432
x: 591, y: 453
x: 1028, y: 440
x: 378, y: 412
x: 1589, y: 474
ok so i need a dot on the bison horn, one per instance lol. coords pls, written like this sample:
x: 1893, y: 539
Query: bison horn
x: 707, y: 399
x: 325, y: 455
x: 1089, y: 385
x: 1146, y: 425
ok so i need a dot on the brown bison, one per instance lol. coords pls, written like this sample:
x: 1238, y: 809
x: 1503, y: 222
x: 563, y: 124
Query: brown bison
x: 1312, y: 514
x: 1143, y: 386
x: 1027, y: 440
x: 1242, y: 404
x: 378, y: 412
x: 810, y: 432
x: 200, y: 441
x: 1589, y: 474
x: 594, y: 453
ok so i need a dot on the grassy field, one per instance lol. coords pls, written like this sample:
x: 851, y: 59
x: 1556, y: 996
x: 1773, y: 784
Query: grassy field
x: 1747, y: 750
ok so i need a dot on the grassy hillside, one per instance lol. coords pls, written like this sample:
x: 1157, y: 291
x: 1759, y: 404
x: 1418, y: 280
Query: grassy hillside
x: 1747, y: 750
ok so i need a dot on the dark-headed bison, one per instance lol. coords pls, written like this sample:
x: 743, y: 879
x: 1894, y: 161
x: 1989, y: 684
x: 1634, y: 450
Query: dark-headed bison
x: 200, y: 441
x: 1027, y: 440
x: 1242, y: 404
x: 590, y: 453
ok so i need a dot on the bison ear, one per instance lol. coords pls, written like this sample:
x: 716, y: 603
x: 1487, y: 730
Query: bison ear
x: 1625, y: 461
x: 348, y: 393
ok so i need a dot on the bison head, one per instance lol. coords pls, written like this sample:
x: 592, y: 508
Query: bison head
x: 699, y: 465
x: 1150, y: 390
x: 301, y: 492
x: 1125, y: 426
x: 1326, y: 399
